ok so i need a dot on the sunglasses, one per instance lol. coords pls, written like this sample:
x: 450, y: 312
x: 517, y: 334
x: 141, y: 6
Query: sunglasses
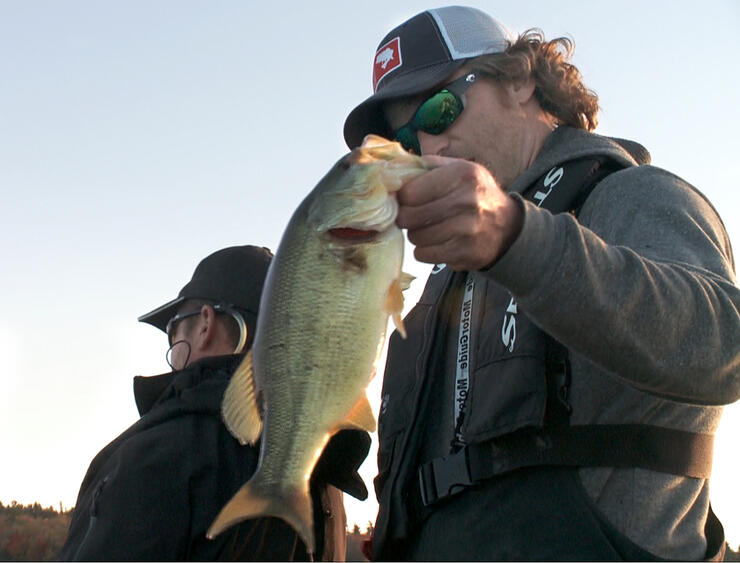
x: 436, y: 113
x: 170, y: 327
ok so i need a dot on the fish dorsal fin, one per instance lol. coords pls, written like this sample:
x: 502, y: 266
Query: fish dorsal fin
x: 394, y: 300
x: 361, y: 417
x: 239, y: 408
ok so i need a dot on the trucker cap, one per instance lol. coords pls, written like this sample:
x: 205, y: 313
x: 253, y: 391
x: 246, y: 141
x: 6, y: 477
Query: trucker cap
x: 233, y: 276
x: 419, y: 54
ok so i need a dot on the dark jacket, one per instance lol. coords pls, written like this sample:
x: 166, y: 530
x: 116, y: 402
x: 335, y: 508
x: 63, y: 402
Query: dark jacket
x: 590, y: 283
x: 152, y: 493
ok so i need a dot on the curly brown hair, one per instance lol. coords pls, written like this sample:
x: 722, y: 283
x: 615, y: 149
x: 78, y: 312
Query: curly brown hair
x: 559, y: 87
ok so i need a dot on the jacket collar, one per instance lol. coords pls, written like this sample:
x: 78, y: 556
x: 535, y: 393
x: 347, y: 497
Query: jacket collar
x: 149, y: 390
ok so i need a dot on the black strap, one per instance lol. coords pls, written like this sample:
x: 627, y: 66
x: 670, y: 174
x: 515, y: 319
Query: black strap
x: 565, y: 187
x: 621, y: 445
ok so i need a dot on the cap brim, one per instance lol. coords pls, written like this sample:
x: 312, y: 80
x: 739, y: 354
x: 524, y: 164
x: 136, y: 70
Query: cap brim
x: 161, y: 315
x: 368, y: 117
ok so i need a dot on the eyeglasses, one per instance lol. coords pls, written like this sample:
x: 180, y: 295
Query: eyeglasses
x: 218, y: 308
x: 436, y: 113
x: 170, y: 328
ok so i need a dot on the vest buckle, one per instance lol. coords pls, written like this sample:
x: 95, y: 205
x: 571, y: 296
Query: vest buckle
x: 444, y: 476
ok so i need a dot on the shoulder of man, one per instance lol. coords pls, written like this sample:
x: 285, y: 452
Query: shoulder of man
x: 646, y: 207
x: 566, y: 144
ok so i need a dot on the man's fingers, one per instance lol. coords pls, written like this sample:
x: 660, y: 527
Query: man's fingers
x: 437, y: 182
x: 471, y: 239
x: 438, y: 233
x: 436, y: 254
x: 436, y: 161
x: 428, y: 214
x: 457, y: 214
x: 452, y: 199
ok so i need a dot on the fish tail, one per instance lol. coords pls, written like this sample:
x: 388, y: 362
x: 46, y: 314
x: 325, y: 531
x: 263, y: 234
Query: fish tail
x: 251, y: 501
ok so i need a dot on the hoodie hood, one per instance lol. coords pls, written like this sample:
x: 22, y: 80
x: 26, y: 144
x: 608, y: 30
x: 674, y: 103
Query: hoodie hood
x: 568, y: 143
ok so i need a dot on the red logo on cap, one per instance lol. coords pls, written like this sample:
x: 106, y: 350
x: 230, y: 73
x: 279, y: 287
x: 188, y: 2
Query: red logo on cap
x: 387, y: 59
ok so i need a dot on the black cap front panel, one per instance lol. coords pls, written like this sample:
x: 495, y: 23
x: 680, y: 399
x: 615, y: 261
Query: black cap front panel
x: 412, y: 46
x: 420, y: 54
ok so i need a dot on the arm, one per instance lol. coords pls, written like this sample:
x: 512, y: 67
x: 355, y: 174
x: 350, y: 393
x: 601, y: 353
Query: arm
x: 643, y: 286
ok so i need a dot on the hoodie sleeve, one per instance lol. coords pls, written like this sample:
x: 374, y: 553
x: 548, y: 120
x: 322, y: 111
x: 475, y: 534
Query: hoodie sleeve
x: 644, y: 286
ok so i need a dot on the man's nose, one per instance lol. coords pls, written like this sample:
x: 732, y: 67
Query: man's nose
x: 432, y: 144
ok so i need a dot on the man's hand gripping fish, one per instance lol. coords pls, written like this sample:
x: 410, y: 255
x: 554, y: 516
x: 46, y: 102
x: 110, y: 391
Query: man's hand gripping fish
x: 335, y: 279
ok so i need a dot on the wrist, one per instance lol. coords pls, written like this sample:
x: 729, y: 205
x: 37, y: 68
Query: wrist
x: 514, y: 213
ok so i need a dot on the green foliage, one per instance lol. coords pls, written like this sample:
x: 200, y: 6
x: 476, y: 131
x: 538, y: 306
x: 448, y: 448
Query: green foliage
x: 31, y: 533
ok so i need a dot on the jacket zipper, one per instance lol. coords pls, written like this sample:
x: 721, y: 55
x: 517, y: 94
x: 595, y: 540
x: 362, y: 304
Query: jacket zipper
x: 93, y: 516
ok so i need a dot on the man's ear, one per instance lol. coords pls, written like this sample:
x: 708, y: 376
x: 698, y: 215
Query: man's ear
x: 523, y: 90
x: 206, y: 328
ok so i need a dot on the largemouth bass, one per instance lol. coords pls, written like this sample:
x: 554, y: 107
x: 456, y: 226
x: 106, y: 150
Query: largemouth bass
x: 332, y: 284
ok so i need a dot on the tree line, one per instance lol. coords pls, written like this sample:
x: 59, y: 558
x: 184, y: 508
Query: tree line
x: 32, y: 532
x: 35, y: 533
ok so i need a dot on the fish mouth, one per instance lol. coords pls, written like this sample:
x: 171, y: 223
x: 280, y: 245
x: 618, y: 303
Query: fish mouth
x: 358, y: 218
x: 352, y: 235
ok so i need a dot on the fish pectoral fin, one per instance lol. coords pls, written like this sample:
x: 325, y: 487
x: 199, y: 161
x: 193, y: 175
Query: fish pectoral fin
x: 405, y: 281
x: 239, y: 407
x: 394, y: 300
x: 361, y: 417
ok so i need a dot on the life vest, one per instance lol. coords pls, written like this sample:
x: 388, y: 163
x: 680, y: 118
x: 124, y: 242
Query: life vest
x: 511, y: 393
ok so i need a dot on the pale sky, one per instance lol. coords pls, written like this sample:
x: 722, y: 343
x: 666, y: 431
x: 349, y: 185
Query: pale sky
x: 137, y: 137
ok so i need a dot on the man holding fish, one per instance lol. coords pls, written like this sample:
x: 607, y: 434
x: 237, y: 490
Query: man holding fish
x: 152, y: 493
x: 563, y: 373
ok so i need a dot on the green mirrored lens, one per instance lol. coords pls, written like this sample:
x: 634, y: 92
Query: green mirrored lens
x: 407, y: 137
x: 438, y: 112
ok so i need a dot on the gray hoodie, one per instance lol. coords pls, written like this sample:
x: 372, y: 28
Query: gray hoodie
x: 642, y: 291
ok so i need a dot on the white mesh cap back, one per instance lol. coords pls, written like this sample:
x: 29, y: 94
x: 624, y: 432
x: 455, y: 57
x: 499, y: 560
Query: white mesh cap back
x: 470, y: 32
